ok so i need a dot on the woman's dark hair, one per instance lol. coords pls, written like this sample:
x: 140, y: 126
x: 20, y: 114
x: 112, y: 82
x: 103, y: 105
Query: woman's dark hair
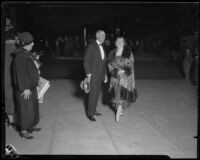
x: 126, y: 53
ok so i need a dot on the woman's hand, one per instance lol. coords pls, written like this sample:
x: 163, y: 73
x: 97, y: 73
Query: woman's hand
x: 110, y: 67
x: 36, y: 55
x: 26, y: 93
x: 121, y: 71
x: 106, y: 79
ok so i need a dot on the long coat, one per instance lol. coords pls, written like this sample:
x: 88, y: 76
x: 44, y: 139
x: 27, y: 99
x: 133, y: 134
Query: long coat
x: 94, y: 65
x: 26, y: 76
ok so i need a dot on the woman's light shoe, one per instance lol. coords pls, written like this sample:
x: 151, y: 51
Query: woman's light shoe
x: 118, y: 113
x: 121, y: 113
x: 26, y: 135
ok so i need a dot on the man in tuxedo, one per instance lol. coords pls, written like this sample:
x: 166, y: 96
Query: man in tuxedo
x: 95, y: 69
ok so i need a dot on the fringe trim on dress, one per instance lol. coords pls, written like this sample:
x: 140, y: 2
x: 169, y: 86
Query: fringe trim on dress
x: 118, y: 92
x: 128, y: 96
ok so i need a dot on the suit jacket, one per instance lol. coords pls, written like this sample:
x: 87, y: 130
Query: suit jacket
x: 93, y: 62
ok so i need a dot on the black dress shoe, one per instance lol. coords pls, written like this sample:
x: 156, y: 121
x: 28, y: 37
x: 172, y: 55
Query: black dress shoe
x: 34, y: 129
x: 10, y: 124
x: 97, y: 114
x: 91, y: 118
x: 26, y: 135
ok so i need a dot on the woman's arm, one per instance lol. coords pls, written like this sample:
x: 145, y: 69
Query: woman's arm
x: 130, y: 66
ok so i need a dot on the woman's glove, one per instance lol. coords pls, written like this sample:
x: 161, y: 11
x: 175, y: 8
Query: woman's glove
x: 127, y: 70
x: 114, y: 72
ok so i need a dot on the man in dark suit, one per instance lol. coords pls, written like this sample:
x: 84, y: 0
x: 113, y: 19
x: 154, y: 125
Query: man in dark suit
x: 95, y: 69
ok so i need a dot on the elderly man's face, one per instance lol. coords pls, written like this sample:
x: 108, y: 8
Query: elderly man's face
x: 101, y: 37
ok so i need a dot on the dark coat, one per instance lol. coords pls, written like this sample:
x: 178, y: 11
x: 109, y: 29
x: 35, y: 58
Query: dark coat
x: 26, y: 76
x: 93, y: 62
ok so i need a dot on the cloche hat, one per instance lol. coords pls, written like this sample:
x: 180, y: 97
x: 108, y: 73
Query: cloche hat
x: 25, y: 38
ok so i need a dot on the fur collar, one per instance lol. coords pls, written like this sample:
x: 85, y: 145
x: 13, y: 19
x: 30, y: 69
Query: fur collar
x: 126, y: 53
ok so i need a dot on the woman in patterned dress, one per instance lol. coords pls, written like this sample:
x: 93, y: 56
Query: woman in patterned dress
x: 122, y: 82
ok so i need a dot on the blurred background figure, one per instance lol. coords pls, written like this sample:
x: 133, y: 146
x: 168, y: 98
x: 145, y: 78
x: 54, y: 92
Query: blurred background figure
x: 8, y: 24
x: 10, y: 46
x: 187, y: 63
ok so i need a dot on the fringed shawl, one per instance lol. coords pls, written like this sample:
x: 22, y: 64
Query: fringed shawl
x: 115, y: 63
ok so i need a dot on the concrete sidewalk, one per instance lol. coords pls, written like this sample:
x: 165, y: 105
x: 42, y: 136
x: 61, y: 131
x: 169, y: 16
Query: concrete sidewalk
x: 163, y: 121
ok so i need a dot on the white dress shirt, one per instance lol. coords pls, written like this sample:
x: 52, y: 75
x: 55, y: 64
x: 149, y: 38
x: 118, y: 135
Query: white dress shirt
x: 101, y: 49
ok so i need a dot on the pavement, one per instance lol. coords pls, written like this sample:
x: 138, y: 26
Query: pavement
x: 163, y: 121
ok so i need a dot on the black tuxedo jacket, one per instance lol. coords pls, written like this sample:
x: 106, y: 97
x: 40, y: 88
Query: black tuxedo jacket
x: 93, y: 62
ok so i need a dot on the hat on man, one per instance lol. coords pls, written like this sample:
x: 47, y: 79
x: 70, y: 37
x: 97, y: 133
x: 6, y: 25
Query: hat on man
x: 25, y: 38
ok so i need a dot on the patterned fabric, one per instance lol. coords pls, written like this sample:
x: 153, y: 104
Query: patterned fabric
x: 122, y: 83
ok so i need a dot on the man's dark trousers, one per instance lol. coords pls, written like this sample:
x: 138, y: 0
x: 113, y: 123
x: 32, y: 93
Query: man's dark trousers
x: 96, y: 85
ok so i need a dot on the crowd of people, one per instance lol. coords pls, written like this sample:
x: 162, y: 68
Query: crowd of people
x: 69, y: 46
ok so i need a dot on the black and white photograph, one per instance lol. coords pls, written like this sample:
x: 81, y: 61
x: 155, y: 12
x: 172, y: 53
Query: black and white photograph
x: 100, y: 78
